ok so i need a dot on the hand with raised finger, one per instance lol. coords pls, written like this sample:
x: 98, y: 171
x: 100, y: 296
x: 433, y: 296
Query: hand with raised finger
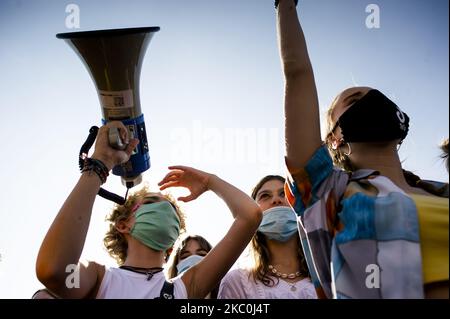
x: 196, y: 181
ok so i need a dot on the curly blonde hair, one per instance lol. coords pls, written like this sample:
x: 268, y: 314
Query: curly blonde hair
x: 114, y: 241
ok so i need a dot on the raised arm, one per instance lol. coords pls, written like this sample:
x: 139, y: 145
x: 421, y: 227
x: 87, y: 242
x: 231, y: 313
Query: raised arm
x: 206, y: 275
x: 63, y: 244
x: 302, y: 121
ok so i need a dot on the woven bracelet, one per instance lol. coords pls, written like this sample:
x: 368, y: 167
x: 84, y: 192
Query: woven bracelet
x: 96, y: 166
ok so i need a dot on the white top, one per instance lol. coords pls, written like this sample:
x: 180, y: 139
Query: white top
x: 239, y: 284
x: 124, y: 284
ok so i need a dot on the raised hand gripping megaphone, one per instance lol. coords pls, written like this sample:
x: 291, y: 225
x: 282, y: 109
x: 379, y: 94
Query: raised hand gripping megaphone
x: 114, y: 59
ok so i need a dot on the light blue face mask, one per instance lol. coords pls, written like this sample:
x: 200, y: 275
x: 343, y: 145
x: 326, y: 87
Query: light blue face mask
x: 279, y: 223
x: 188, y: 262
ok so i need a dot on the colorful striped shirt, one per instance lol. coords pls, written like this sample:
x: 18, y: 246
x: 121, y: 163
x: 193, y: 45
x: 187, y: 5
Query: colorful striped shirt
x: 359, y: 231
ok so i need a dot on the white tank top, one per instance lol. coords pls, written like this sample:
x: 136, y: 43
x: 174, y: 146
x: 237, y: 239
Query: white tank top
x: 124, y: 284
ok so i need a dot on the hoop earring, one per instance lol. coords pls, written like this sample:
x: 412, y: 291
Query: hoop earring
x: 349, y: 150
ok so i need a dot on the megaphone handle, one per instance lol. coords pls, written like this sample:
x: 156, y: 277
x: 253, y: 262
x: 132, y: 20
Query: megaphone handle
x: 112, y: 197
x: 87, y: 145
x: 83, y: 152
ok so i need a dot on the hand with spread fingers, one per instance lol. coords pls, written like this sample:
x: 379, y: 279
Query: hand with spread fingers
x: 182, y: 176
x: 203, y: 277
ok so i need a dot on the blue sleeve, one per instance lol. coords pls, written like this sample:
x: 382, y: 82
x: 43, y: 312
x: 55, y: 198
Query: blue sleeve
x: 303, y: 183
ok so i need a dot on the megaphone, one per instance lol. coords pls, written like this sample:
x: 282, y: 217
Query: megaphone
x: 114, y: 59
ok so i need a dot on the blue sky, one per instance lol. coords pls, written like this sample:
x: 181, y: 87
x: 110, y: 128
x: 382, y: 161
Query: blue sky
x: 211, y: 93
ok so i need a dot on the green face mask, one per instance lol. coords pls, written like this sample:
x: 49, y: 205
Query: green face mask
x: 157, y: 225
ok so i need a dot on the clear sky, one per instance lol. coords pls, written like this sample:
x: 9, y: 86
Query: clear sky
x: 212, y: 96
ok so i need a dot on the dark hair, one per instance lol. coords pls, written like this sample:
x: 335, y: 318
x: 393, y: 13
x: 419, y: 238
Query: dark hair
x: 261, y: 256
x: 260, y: 251
x: 179, y: 246
x: 50, y: 294
x: 437, y: 189
x: 264, y: 180
x: 175, y: 256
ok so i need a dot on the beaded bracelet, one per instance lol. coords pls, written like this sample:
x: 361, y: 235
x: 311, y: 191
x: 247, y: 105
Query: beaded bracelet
x: 278, y: 1
x: 97, y: 166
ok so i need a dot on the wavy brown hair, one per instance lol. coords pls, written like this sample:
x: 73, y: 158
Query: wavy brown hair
x: 179, y: 246
x: 114, y: 241
x: 260, y: 251
x: 175, y: 257
x: 339, y: 158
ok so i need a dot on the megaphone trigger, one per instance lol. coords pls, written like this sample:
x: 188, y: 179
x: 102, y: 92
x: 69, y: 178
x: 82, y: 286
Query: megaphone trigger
x: 115, y: 141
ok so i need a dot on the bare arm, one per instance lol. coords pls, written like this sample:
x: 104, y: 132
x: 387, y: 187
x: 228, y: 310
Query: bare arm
x: 302, y: 121
x: 206, y: 275
x: 63, y: 244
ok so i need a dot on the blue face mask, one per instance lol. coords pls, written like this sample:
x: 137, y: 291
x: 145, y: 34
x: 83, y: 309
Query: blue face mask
x: 188, y: 262
x: 279, y: 223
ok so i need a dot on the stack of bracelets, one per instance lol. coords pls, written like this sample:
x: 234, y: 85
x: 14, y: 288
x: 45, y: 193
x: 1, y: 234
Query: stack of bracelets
x: 97, y: 166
